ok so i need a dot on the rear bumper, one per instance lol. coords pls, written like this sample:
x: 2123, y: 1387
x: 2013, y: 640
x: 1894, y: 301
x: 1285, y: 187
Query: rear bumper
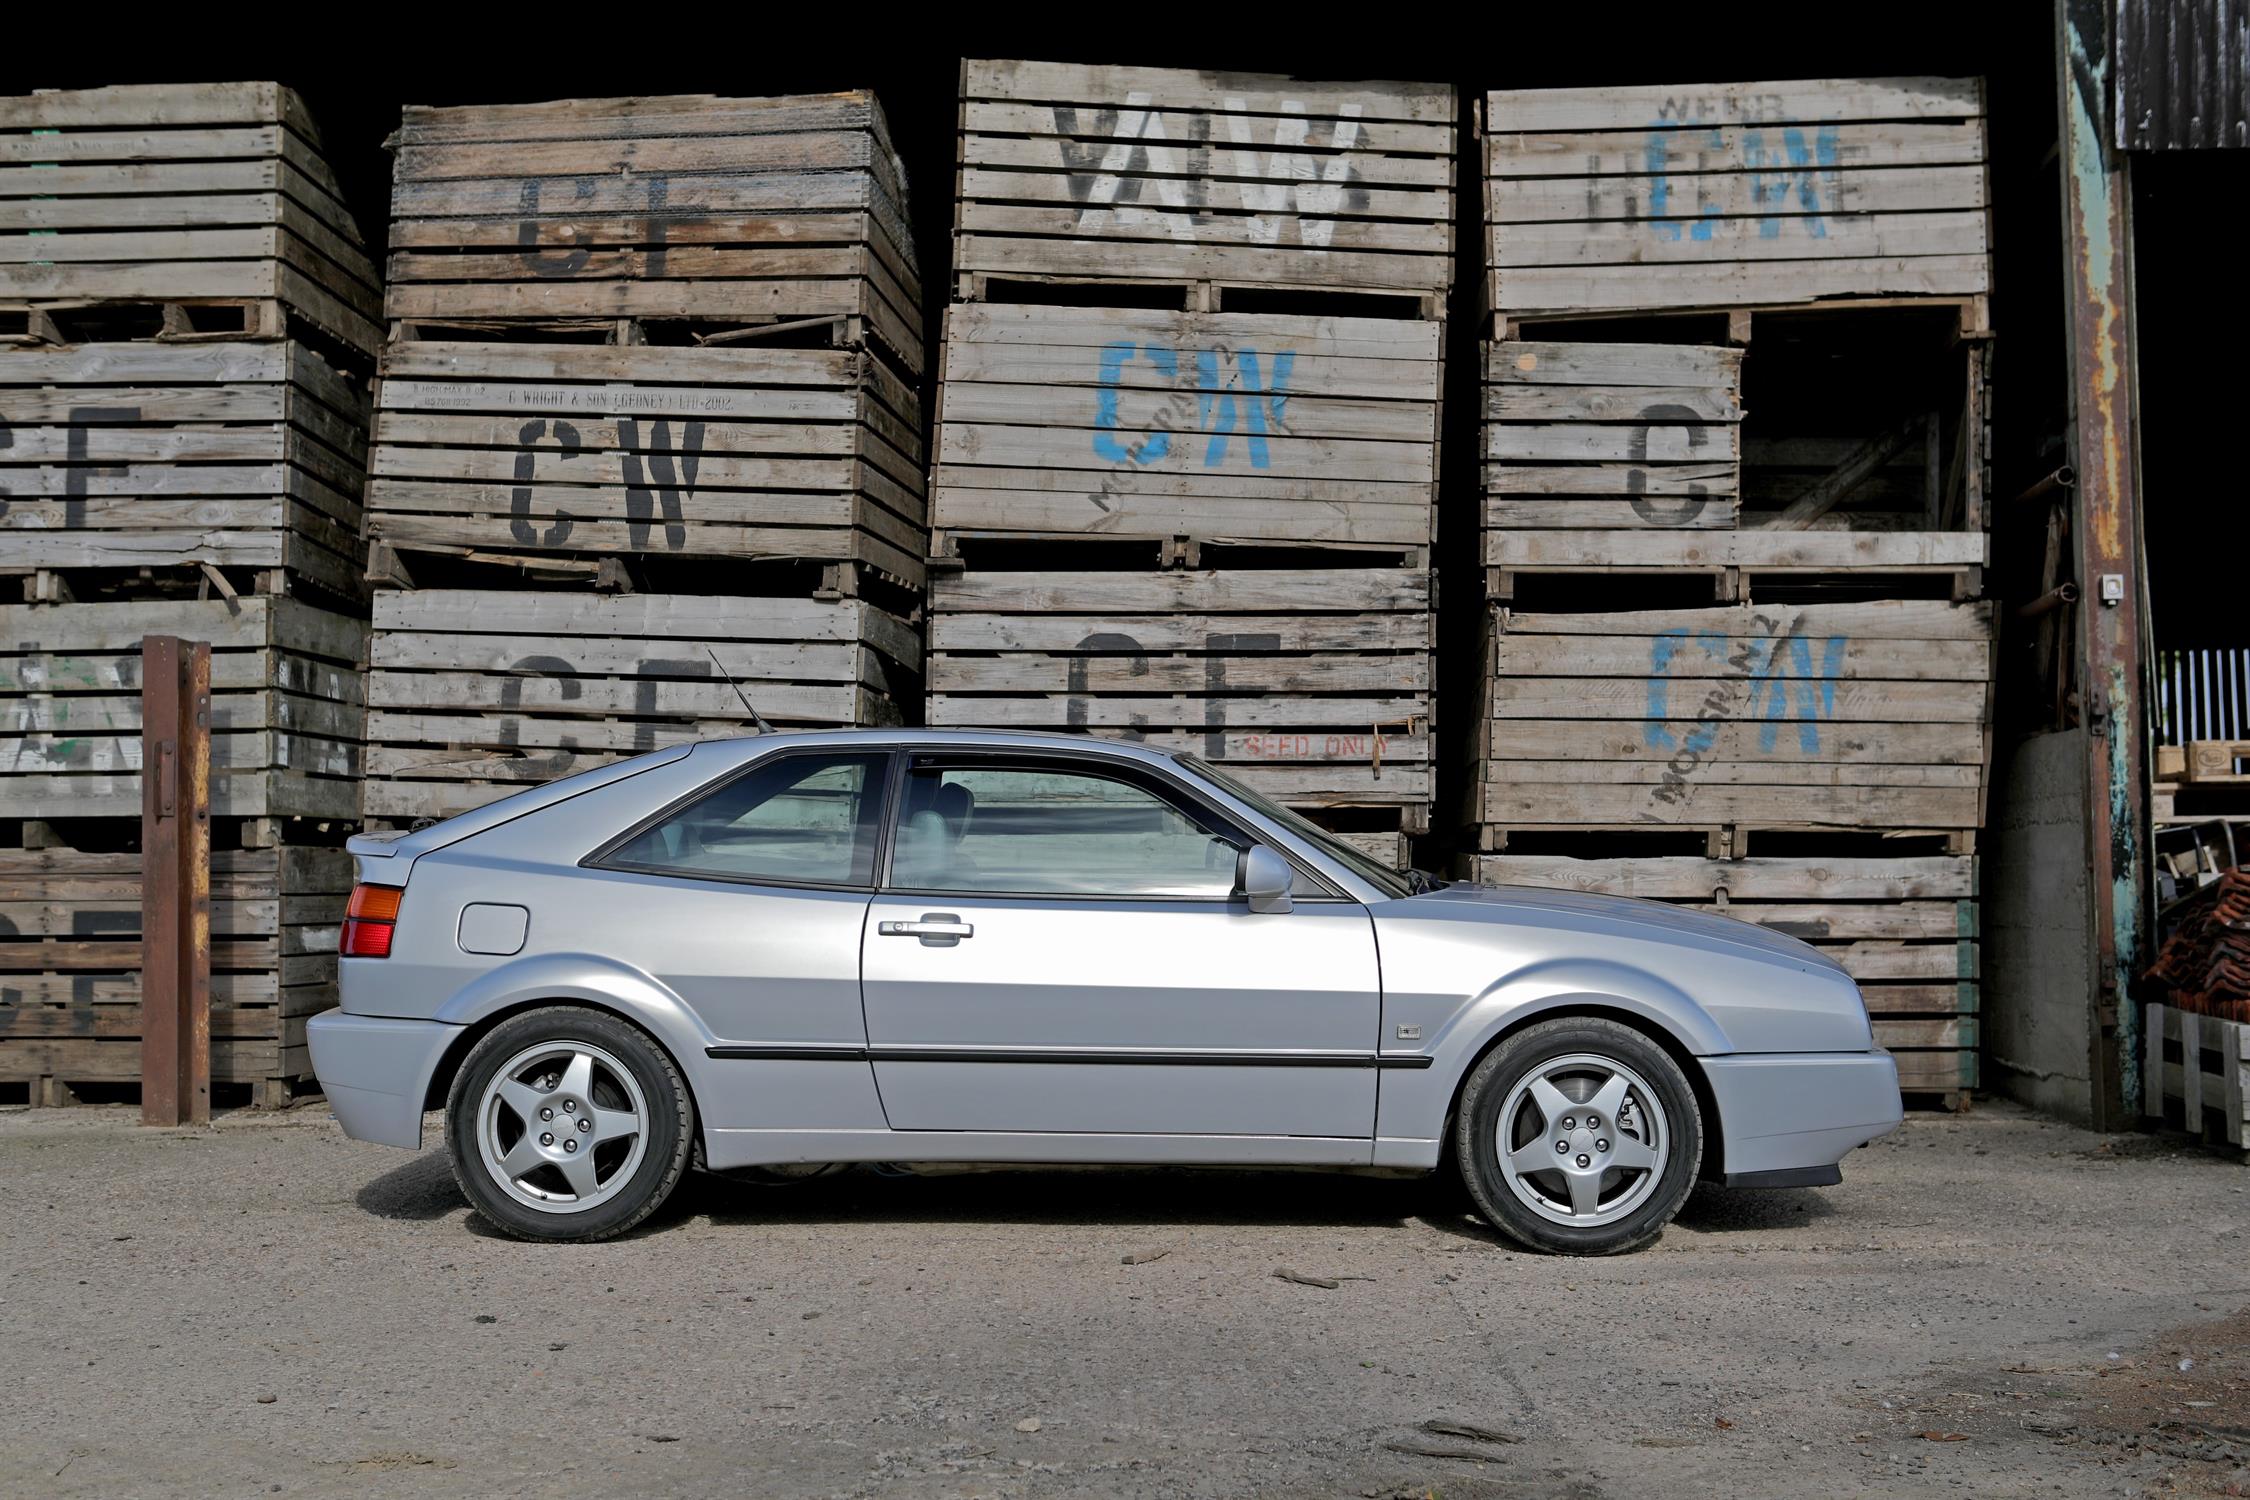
x: 376, y: 1072
x: 1785, y: 1116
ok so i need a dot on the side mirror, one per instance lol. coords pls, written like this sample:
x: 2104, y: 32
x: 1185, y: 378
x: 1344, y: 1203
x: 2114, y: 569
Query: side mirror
x: 1264, y: 877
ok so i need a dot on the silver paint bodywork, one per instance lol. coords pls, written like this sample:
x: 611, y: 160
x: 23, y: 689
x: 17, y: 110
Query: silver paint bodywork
x: 1335, y: 1032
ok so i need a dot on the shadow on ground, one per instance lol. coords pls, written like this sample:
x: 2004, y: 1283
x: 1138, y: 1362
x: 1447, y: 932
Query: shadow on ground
x: 423, y: 1190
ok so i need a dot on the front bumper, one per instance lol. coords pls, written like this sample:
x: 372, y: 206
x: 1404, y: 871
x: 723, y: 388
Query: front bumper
x: 1785, y: 1115
x: 376, y: 1072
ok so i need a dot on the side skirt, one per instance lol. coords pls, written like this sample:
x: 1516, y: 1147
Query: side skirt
x: 765, y: 1148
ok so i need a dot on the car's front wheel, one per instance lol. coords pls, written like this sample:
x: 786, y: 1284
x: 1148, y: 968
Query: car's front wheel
x: 1579, y: 1136
x: 568, y: 1124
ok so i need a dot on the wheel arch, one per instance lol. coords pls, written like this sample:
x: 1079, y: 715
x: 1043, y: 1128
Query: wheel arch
x: 1574, y: 1007
x: 588, y: 983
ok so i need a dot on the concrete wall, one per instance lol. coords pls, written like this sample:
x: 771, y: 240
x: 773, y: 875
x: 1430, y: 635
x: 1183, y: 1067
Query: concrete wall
x: 2038, y: 959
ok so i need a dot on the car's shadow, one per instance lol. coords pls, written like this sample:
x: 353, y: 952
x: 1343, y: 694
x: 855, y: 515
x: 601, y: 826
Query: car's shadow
x: 1712, y: 1209
x: 423, y: 1189
x: 1154, y: 1197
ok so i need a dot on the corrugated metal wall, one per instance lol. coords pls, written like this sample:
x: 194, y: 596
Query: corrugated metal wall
x: 2183, y: 74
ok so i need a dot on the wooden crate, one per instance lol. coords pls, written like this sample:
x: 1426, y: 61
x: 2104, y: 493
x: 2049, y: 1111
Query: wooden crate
x: 2196, y: 1068
x: 1313, y: 686
x: 1633, y: 437
x: 1905, y: 928
x: 136, y: 454
x: 286, y: 699
x: 1819, y: 716
x: 1075, y: 172
x: 182, y: 194
x: 576, y: 450
x: 1867, y: 453
x: 1229, y: 427
x: 473, y: 694
x: 1646, y: 197
x: 70, y: 959
x: 687, y: 207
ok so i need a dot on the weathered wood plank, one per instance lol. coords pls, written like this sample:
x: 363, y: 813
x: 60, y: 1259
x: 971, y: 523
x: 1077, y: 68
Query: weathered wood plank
x: 1758, y: 550
x: 1083, y: 433
x: 1717, y: 105
x: 1912, y: 878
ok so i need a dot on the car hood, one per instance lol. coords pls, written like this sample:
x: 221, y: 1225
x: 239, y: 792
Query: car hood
x: 1647, y: 919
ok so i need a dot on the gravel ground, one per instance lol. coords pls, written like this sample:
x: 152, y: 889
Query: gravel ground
x: 1991, y: 1303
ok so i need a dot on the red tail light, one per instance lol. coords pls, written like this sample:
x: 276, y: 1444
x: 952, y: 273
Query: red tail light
x: 370, y: 917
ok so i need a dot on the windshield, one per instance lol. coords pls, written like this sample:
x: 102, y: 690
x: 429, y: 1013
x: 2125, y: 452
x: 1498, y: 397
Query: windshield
x: 1377, y: 874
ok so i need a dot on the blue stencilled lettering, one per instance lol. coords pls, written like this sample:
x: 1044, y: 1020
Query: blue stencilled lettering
x: 1782, y: 682
x: 1237, y: 391
x: 1216, y: 406
x: 1114, y: 358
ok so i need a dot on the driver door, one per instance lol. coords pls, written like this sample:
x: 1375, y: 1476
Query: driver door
x: 1058, y: 948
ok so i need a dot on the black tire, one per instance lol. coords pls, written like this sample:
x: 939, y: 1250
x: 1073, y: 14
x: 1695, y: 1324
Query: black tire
x: 1477, y: 1123
x: 669, y: 1124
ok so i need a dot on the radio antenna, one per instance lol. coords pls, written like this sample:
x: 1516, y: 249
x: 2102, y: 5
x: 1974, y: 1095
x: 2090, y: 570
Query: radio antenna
x: 756, y: 718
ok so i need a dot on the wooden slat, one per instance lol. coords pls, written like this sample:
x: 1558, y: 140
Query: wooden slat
x: 686, y: 207
x: 1691, y: 716
x: 1765, y: 551
x: 287, y: 709
x: 1142, y: 174
x: 1748, y: 194
x: 139, y: 454
x: 1245, y: 418
x: 716, y: 452
x: 172, y: 194
x: 476, y: 692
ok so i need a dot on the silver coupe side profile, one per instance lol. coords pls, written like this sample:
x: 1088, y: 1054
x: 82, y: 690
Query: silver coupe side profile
x: 766, y: 955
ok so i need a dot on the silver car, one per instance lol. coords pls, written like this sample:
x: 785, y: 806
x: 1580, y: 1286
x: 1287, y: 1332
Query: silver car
x: 765, y: 955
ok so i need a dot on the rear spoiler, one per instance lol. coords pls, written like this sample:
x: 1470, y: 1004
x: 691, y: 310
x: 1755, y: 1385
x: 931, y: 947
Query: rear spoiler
x: 385, y: 858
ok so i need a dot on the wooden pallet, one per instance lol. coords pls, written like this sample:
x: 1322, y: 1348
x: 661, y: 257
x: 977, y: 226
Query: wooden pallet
x: 2196, y: 1069
x: 1847, y: 716
x: 1736, y: 194
x: 136, y: 455
x: 1228, y: 427
x: 1119, y: 175
x: 181, y: 194
x: 572, y: 450
x: 287, y: 707
x: 475, y: 694
x: 2217, y: 763
x: 735, y: 212
x: 70, y: 958
x: 1314, y: 686
x: 1905, y: 929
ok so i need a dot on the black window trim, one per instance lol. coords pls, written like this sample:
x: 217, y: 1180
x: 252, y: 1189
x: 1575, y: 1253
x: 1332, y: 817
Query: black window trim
x: 600, y: 858
x: 1150, y: 778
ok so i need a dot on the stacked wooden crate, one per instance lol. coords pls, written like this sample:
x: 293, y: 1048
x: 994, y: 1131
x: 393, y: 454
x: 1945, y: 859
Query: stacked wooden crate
x: 186, y: 325
x: 1205, y: 524
x: 647, y: 421
x: 1734, y: 519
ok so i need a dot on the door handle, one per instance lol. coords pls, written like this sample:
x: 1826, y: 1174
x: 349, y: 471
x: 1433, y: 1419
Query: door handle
x: 937, y: 926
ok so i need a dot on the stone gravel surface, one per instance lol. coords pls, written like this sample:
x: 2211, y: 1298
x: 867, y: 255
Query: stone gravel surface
x: 1991, y: 1303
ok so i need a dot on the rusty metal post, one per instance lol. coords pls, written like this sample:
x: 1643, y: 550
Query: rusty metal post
x: 175, y: 881
x: 2097, y: 245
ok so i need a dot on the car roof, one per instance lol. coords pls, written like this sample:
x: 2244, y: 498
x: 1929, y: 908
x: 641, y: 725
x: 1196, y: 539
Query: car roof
x: 1017, y: 739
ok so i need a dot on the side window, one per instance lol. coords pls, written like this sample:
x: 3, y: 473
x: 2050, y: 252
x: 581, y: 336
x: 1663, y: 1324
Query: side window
x: 1052, y: 831
x: 795, y: 820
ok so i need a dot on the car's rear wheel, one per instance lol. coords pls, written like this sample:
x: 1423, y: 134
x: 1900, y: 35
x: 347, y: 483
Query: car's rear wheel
x: 1579, y: 1136
x: 568, y: 1124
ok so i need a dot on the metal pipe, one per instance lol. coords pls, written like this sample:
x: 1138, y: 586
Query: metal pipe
x: 2062, y: 479
x: 2054, y: 599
